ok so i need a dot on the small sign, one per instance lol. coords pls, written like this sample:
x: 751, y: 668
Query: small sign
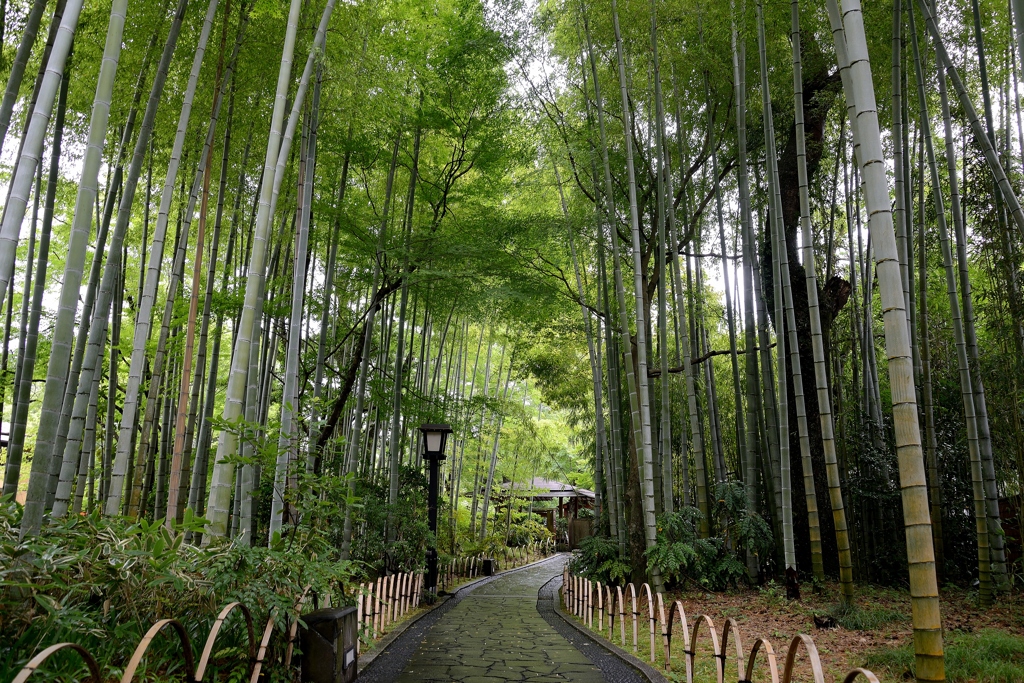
x: 349, y: 658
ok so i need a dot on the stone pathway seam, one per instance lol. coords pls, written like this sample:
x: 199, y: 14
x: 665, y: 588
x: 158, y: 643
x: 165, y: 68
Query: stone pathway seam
x: 502, y: 629
x: 642, y: 668
x: 389, y: 662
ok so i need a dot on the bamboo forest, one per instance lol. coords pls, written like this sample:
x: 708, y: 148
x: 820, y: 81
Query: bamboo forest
x: 613, y: 312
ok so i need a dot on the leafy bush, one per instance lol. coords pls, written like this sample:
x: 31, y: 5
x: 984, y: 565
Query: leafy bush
x: 409, y: 533
x: 598, y: 559
x: 102, y: 582
x: 716, y: 562
x: 526, y: 529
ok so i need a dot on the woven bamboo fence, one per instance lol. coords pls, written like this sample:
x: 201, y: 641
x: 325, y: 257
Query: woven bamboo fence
x: 379, y: 604
x: 602, y: 607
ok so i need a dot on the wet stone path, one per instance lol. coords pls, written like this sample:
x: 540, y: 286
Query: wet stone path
x: 497, y: 632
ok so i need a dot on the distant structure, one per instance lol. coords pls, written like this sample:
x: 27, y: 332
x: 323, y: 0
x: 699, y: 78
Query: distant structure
x: 571, y: 500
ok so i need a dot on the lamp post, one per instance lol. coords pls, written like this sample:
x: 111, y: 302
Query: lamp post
x: 435, y: 438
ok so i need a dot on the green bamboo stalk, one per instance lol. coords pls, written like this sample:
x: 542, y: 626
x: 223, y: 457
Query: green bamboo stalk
x: 856, y: 72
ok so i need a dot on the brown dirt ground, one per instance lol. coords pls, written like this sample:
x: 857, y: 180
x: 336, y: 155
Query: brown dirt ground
x: 766, y: 613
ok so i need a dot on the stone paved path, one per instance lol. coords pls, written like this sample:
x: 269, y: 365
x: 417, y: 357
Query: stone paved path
x: 495, y: 633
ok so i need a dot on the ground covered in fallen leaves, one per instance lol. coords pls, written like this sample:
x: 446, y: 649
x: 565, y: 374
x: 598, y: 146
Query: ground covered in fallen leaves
x: 876, y: 634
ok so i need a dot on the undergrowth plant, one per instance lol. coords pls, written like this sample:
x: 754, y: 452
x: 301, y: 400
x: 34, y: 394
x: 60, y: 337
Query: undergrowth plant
x: 987, y: 656
x: 717, y: 562
x: 598, y: 559
x: 102, y: 582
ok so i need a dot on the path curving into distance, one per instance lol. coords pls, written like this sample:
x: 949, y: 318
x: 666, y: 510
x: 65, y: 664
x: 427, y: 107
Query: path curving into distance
x: 501, y: 629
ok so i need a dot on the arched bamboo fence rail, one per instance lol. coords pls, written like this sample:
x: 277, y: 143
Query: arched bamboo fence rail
x: 581, y: 597
x: 379, y: 603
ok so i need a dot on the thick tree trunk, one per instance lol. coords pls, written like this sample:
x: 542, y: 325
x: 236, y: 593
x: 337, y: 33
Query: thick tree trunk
x: 820, y: 86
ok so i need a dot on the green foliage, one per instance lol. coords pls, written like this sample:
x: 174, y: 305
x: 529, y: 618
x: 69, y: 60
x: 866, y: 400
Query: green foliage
x: 860, y: 618
x: 102, y: 582
x: 988, y: 656
x: 525, y: 529
x: 598, y: 559
x: 717, y: 562
x: 391, y: 538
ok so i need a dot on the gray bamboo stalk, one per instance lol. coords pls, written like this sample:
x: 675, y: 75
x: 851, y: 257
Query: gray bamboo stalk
x: 37, y: 497
x: 67, y: 468
x: 12, y: 470
x: 93, y: 345
x: 203, y: 445
x: 192, y: 397
x: 222, y: 484
x: 817, y: 345
x: 28, y: 161
x: 287, y: 447
x: 780, y: 279
x: 793, y: 346
x: 27, y: 357
x: 663, y: 464
x: 645, y: 456
x: 200, y: 466
x: 980, y: 403
x: 959, y: 337
x: 690, y: 381
x: 595, y: 368
x: 631, y: 378
x: 28, y: 39
x: 60, y: 349
x: 750, y: 453
x: 899, y: 208
x: 612, y: 221
x: 927, y: 407
x: 87, y: 459
x: 144, y: 316
x: 51, y: 37
x: 114, y: 328
x: 853, y: 59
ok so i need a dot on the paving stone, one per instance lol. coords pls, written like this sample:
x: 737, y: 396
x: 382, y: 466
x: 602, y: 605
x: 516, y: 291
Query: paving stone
x: 496, y: 632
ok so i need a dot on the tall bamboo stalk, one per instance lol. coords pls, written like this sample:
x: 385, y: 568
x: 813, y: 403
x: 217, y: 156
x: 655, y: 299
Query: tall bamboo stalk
x: 644, y: 448
x: 779, y: 278
x: 750, y: 453
x: 287, y: 446
x: 624, y: 328
x: 966, y: 379
x: 143, y: 319
x: 222, y: 482
x: 818, y: 347
x: 856, y: 71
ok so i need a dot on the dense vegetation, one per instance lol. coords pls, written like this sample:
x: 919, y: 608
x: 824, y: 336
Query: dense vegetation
x: 750, y: 271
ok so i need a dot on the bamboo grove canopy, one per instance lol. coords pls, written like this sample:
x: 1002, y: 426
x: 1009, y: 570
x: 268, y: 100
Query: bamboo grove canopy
x: 761, y: 256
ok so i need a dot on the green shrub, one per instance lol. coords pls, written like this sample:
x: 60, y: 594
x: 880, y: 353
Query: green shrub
x: 598, y: 559
x: 716, y: 562
x: 404, y: 549
x: 102, y: 582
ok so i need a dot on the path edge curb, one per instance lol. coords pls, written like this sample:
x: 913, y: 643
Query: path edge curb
x: 648, y: 671
x: 385, y: 642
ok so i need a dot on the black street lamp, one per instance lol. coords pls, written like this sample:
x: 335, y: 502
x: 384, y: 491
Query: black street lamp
x: 435, y: 438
